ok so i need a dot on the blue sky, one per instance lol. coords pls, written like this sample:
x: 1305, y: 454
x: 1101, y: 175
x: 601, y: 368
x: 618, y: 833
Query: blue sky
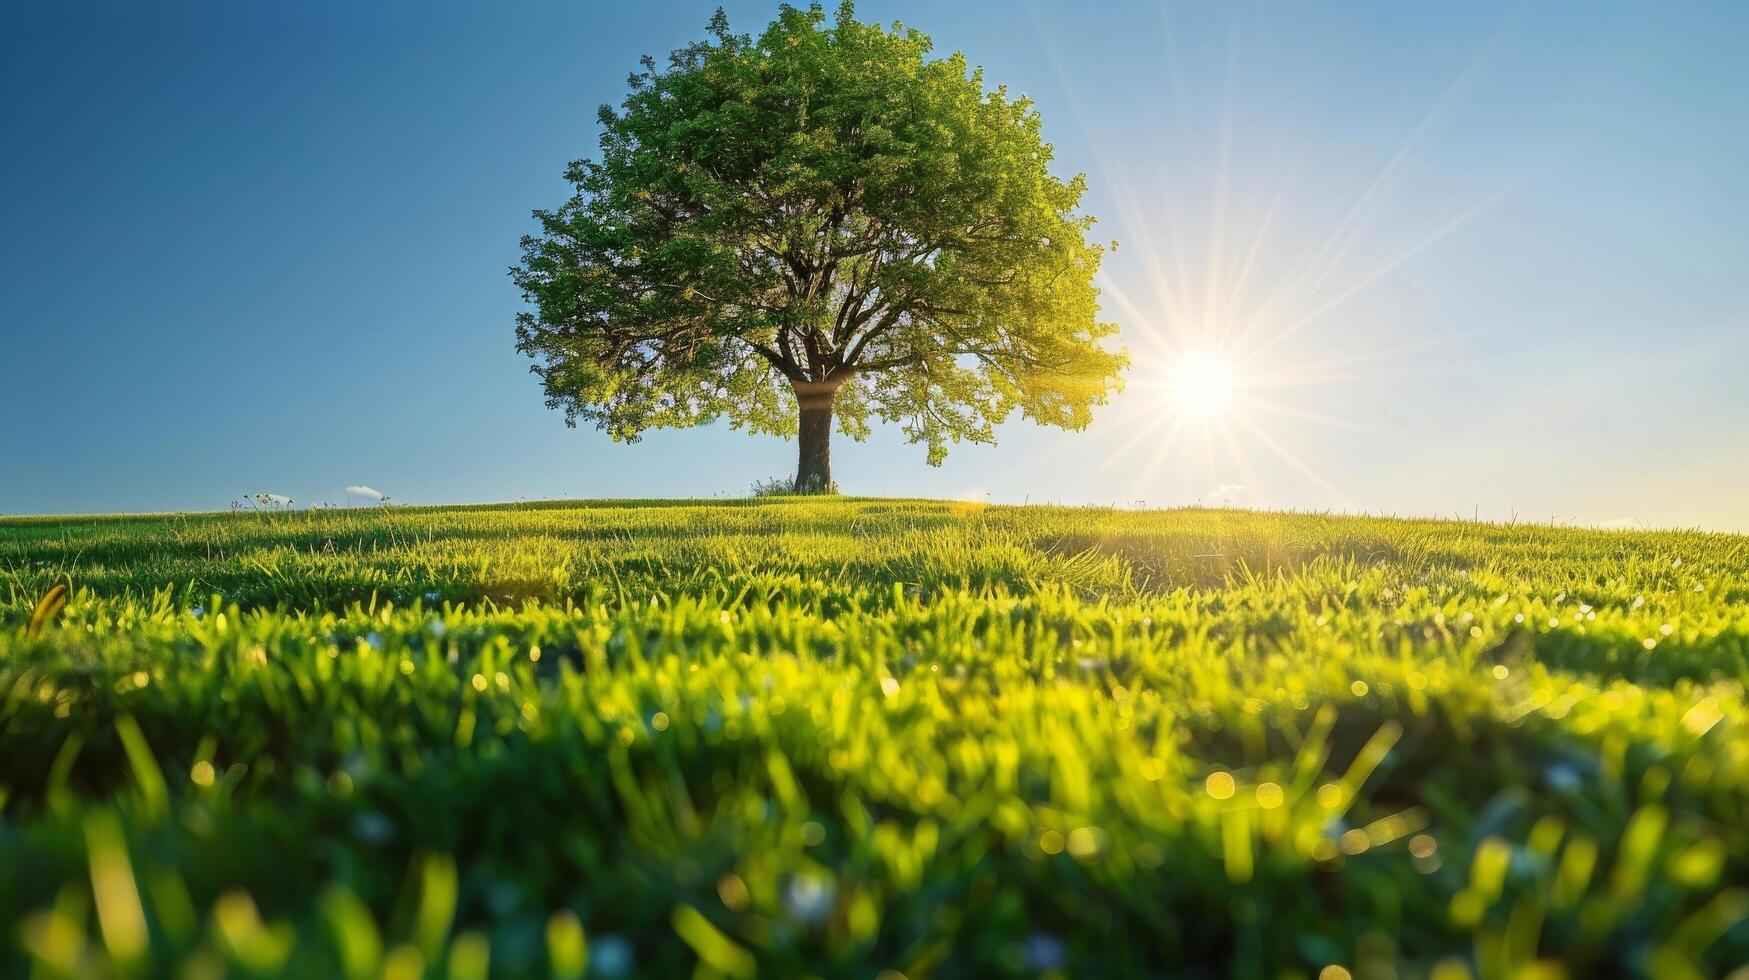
x: 1471, y: 258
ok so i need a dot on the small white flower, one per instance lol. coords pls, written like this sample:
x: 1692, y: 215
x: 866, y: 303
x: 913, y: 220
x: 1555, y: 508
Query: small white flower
x: 809, y: 897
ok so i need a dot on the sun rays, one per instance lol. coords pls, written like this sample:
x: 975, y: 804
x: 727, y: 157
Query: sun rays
x: 1222, y: 315
x: 1203, y: 384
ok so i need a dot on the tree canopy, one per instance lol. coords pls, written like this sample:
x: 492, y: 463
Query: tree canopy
x: 823, y: 218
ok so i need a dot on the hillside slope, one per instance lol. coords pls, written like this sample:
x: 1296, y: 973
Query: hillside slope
x: 853, y: 736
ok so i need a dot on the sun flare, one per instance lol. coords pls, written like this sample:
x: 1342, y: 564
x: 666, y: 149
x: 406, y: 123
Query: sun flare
x: 1203, y: 385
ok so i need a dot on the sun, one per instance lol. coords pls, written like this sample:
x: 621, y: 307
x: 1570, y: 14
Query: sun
x: 1203, y: 385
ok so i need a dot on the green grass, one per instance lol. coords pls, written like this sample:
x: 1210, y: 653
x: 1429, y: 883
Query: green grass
x: 846, y: 737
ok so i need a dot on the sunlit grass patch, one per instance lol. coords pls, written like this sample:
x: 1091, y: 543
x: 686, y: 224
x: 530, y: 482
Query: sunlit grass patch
x: 844, y: 737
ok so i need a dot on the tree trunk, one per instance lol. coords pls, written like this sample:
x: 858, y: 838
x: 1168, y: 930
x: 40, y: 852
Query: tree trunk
x: 814, y: 436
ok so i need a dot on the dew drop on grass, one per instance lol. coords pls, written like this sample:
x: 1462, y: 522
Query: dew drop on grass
x: 1220, y: 785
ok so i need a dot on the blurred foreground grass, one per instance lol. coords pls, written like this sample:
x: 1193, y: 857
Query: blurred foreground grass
x: 861, y: 738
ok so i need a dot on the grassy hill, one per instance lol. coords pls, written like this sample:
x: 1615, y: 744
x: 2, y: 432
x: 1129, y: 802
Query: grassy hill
x: 870, y: 737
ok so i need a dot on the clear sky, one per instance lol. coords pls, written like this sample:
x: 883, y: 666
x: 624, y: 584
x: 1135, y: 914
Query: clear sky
x: 1467, y: 258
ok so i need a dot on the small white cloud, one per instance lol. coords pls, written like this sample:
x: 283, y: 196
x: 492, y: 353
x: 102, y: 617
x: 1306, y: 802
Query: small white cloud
x: 363, y: 491
x: 1225, y: 495
x: 273, y: 500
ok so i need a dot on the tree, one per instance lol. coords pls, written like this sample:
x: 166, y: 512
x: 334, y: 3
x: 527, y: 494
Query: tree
x: 821, y: 223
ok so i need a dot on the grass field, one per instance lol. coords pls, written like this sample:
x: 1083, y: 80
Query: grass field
x: 870, y: 738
